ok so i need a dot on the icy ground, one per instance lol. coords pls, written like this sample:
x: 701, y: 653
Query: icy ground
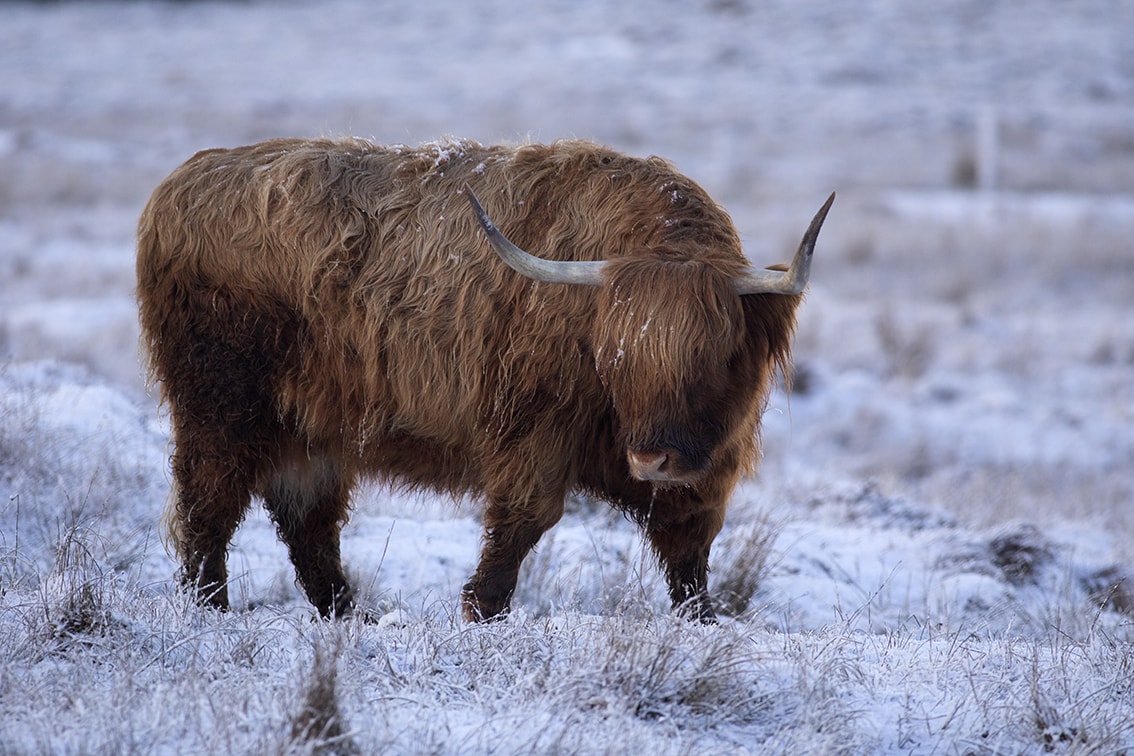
x: 936, y: 554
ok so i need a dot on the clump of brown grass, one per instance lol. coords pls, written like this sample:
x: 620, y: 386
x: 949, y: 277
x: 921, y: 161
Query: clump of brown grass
x: 909, y: 347
x: 319, y: 725
x: 77, y: 604
x: 744, y: 565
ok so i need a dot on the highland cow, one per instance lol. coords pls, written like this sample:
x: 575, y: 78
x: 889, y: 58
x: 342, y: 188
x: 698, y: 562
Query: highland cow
x: 319, y: 311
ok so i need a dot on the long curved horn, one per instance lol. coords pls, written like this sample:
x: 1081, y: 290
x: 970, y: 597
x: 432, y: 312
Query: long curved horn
x: 549, y: 271
x: 794, y: 279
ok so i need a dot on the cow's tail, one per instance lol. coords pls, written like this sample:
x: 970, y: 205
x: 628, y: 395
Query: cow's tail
x: 169, y: 525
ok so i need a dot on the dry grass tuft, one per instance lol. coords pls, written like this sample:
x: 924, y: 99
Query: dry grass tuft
x: 1021, y: 554
x: 77, y: 603
x: 743, y: 565
x: 319, y: 725
x: 909, y: 348
x: 1111, y: 588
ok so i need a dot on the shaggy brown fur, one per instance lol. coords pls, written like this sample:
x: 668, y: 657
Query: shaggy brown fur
x: 320, y: 310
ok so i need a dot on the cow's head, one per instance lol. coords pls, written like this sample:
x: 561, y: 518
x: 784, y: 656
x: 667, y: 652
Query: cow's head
x: 671, y: 344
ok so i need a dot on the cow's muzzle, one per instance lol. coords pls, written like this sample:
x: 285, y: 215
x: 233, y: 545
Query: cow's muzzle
x: 663, y: 466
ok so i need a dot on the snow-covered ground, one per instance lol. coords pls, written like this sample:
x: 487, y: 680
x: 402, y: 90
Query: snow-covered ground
x: 936, y: 555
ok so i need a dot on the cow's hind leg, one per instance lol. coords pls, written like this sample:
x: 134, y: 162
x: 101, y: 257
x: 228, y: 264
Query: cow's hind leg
x: 509, y: 534
x: 215, y: 355
x: 212, y: 494
x: 307, y: 497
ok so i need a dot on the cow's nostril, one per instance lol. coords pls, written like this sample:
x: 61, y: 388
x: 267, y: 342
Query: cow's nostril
x: 649, y: 465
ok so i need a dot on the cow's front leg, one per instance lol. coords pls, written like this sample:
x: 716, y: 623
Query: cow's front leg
x: 682, y: 544
x: 688, y: 581
x: 510, y: 532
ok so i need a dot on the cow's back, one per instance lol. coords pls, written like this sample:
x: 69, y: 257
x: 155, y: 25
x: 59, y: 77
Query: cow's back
x: 345, y: 287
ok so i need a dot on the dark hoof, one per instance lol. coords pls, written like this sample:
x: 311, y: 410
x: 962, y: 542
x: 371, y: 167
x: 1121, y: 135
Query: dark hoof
x: 210, y: 595
x: 342, y: 607
x: 476, y: 608
x: 698, y: 609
